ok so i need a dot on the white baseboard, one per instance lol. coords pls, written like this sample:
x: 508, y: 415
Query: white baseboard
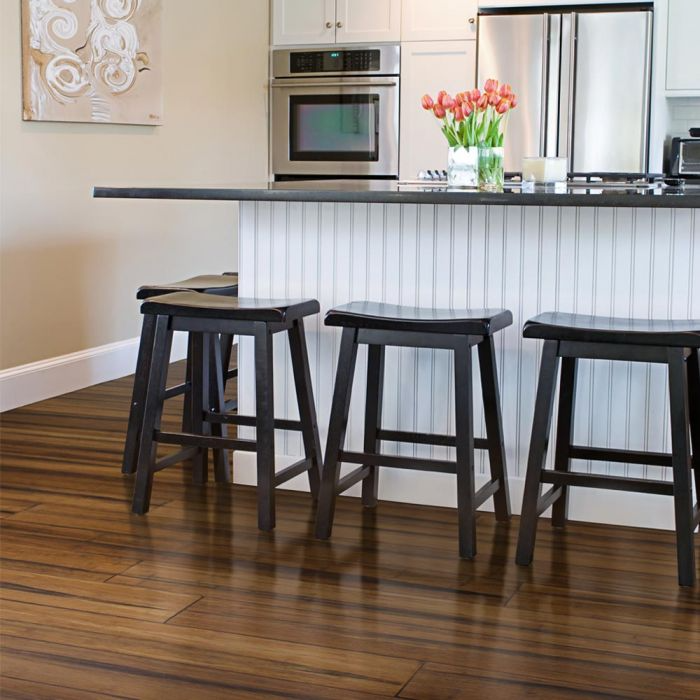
x: 37, y: 381
x: 432, y: 489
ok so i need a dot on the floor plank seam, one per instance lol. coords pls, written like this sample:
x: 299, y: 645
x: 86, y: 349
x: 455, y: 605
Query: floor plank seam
x: 187, y: 607
x: 413, y: 675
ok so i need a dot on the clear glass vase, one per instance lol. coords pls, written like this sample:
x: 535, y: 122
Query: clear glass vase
x: 491, y: 168
x: 462, y: 166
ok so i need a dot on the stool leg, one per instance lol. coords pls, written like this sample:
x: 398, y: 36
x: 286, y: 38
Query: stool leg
x: 373, y: 419
x: 222, y: 469
x: 464, y: 424
x: 138, y: 397
x: 226, y: 348
x: 305, y: 401
x: 565, y: 433
x: 187, y: 399
x: 541, y: 426
x: 494, y: 426
x: 680, y: 443
x: 694, y: 406
x: 265, y: 426
x: 153, y: 411
x: 340, y: 408
x: 200, y: 403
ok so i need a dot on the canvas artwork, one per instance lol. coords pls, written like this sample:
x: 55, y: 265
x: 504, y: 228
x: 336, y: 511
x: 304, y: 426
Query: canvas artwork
x: 92, y: 61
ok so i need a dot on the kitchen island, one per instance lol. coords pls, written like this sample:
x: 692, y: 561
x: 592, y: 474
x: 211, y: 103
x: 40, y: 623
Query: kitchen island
x: 626, y: 251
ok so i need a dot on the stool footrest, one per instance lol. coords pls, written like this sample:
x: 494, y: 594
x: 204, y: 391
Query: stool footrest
x: 231, y: 405
x: 176, y: 390
x: 485, y: 492
x: 217, y: 443
x: 235, y: 419
x: 398, y: 462
x: 603, y: 481
x: 292, y: 470
x: 179, y: 456
x: 600, y: 454
x: 547, y: 499
x: 351, y: 479
x: 426, y: 438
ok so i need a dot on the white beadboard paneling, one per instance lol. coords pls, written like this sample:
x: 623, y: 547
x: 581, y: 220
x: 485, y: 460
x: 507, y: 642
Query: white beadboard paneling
x: 622, y: 262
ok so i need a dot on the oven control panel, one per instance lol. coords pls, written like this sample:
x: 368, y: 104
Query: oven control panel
x: 346, y: 61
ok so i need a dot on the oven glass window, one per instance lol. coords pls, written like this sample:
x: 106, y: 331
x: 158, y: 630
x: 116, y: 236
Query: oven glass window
x: 334, y: 127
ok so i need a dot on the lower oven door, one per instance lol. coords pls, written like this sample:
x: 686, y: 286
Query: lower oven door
x: 337, y: 127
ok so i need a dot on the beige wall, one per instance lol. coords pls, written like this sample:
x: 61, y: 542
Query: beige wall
x: 70, y: 264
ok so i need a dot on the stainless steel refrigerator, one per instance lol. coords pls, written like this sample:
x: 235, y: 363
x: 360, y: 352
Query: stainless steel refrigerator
x: 583, y: 81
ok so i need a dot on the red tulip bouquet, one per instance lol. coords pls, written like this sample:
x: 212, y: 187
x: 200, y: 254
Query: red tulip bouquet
x: 474, y: 119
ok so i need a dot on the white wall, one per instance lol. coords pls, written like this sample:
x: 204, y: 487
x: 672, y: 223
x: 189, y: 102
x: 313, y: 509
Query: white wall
x: 70, y: 264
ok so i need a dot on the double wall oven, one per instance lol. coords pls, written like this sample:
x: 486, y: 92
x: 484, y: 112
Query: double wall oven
x: 335, y: 112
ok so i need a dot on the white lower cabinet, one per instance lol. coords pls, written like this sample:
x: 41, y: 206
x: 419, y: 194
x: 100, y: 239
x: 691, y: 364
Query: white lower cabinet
x: 428, y: 67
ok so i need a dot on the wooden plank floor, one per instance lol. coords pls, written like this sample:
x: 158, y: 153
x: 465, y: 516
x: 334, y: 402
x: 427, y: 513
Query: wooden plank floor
x: 192, y: 601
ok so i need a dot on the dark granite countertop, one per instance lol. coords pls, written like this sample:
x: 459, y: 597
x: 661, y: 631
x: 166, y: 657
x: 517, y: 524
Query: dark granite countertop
x: 387, y: 191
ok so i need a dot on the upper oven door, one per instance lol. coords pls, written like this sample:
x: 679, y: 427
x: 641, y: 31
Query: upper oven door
x: 336, y: 126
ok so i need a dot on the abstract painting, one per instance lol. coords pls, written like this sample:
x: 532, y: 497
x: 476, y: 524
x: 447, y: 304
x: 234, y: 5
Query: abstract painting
x: 92, y: 61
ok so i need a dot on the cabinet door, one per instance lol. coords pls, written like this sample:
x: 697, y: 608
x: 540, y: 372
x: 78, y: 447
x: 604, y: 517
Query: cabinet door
x: 428, y: 67
x: 367, y: 21
x: 682, y: 62
x: 303, y: 22
x: 432, y: 20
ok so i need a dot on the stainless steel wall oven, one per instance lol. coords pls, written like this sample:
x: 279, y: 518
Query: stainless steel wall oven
x: 335, y: 112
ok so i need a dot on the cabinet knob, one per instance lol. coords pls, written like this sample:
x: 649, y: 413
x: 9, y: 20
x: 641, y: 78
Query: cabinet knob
x: 329, y: 25
x: 472, y: 20
x: 339, y: 24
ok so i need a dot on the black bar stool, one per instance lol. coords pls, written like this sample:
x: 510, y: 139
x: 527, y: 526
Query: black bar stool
x: 206, y: 316
x: 378, y: 325
x: 225, y: 284
x: 573, y: 336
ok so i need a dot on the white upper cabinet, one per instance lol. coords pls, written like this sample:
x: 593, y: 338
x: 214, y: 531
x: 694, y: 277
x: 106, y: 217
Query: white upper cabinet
x: 682, y: 58
x: 367, y: 21
x: 303, y: 21
x: 428, y: 67
x: 299, y: 22
x: 435, y: 20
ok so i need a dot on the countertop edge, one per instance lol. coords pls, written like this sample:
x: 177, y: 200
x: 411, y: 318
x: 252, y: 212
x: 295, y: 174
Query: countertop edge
x: 534, y: 199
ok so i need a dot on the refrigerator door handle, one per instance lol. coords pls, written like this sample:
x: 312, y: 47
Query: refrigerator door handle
x: 567, y: 86
x: 553, y: 57
x: 545, y: 68
x: 647, y: 81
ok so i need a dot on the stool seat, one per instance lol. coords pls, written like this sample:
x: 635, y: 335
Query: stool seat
x: 603, y: 329
x: 202, y: 305
x: 226, y: 284
x: 380, y: 316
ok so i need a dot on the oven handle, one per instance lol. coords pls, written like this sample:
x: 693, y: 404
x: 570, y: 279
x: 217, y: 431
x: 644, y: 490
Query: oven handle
x: 378, y: 82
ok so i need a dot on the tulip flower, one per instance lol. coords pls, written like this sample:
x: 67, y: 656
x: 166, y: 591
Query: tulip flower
x: 467, y: 108
x: 427, y: 102
x: 439, y: 111
x: 441, y: 96
x: 458, y: 114
x: 502, y: 107
x: 505, y: 91
x: 513, y: 101
x: 494, y: 99
x: 482, y: 102
x: 475, y: 95
x: 491, y: 85
x: 448, y: 102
